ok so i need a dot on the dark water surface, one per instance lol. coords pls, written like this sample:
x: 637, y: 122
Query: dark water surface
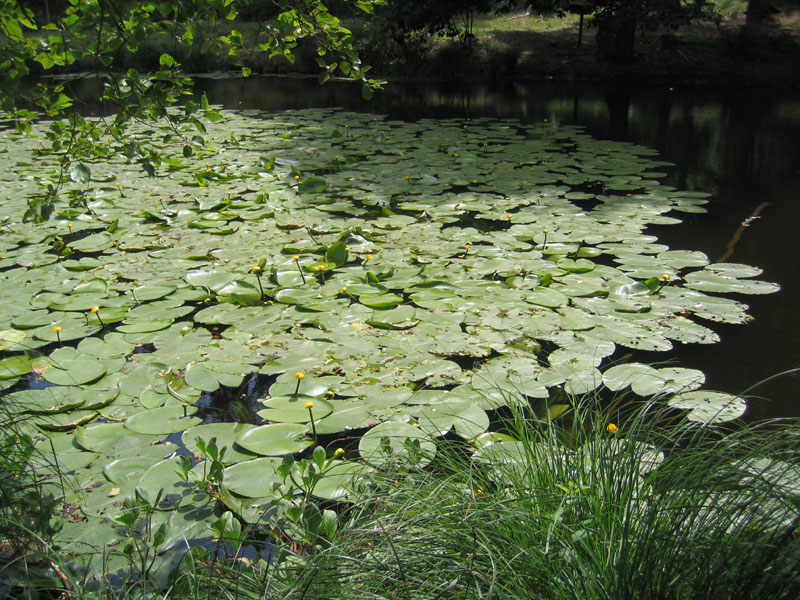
x: 742, y: 146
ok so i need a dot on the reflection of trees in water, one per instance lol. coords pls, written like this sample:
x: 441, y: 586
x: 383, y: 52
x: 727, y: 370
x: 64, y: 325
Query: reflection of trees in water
x: 715, y: 139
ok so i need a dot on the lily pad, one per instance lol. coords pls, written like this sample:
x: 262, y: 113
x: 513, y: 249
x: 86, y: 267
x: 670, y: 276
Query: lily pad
x: 275, y: 440
x: 75, y: 371
x: 396, y: 443
x: 708, y: 407
x: 257, y: 478
x: 163, y: 420
x: 291, y: 409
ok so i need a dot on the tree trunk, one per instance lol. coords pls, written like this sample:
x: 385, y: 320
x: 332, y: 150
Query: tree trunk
x: 758, y: 12
x: 616, y: 37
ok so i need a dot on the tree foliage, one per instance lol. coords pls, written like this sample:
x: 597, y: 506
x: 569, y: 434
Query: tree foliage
x: 400, y: 19
x: 96, y: 33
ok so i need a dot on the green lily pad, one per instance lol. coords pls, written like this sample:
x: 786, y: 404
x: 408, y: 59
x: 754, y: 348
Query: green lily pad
x: 129, y: 468
x: 75, y: 371
x: 341, y: 482
x: 709, y: 408
x: 257, y: 478
x: 14, y: 366
x: 380, y: 301
x: 108, y: 438
x: 163, y: 420
x: 10, y: 338
x: 670, y: 380
x: 291, y: 409
x: 621, y: 376
x: 240, y: 292
x: 396, y: 443
x: 224, y: 434
x: 275, y: 440
x: 144, y: 326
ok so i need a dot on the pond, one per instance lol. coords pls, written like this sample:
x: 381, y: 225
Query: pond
x: 739, y: 145
x: 363, y: 285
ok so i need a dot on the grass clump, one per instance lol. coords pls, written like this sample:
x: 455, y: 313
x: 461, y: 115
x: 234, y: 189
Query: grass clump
x: 654, y: 507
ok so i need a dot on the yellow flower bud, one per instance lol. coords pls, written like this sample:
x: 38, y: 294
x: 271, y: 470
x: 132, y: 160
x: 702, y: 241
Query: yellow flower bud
x: 611, y: 428
x: 57, y: 329
x: 95, y: 309
x: 369, y: 256
x: 342, y: 290
x: 309, y: 405
x: 295, y: 257
x: 338, y: 452
x: 299, y: 375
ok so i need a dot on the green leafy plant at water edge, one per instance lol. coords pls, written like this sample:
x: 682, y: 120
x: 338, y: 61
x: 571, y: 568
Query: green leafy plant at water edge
x: 652, y: 507
x: 446, y: 270
x: 95, y: 35
x: 27, y: 559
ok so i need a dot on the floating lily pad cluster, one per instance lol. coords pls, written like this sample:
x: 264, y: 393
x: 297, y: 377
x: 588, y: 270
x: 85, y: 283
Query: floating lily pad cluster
x: 416, y: 274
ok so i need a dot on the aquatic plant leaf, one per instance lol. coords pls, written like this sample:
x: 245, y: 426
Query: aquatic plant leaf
x: 275, y: 440
x: 396, y: 443
x: 129, y: 468
x: 291, y: 409
x: 708, y: 407
x: 342, y: 481
x: 255, y: 478
x: 224, y: 435
x: 75, y: 371
x: 109, y: 438
x: 346, y: 415
x: 313, y: 185
x: 619, y: 377
x: 10, y: 338
x: 713, y: 281
x: 14, y: 366
x: 240, y: 292
x: 163, y: 420
x: 669, y: 380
